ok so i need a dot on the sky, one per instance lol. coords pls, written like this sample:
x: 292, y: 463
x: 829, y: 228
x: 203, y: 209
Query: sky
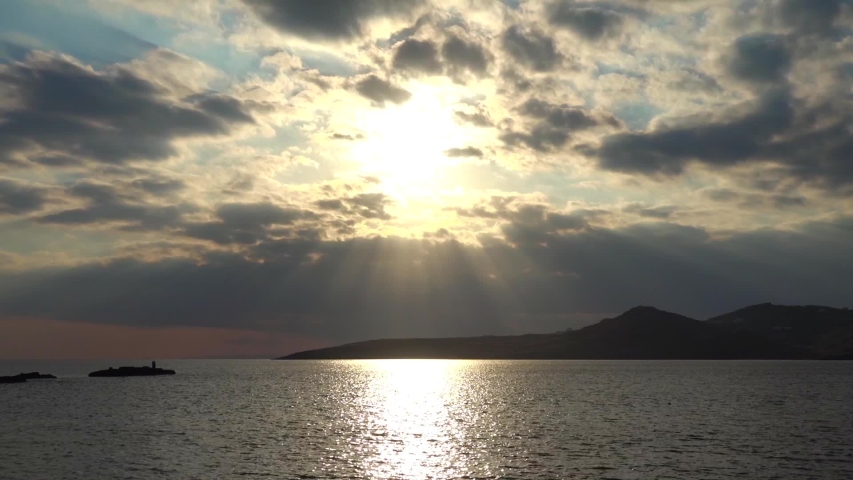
x: 257, y: 177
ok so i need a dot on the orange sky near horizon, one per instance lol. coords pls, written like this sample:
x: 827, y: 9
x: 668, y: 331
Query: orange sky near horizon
x: 28, y: 339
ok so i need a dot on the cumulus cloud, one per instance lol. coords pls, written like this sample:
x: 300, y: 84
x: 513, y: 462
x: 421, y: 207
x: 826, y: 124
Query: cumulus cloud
x: 479, y: 118
x: 813, y: 17
x: 760, y: 59
x: 464, y: 152
x: 418, y: 56
x: 106, y: 205
x: 554, y: 124
x: 380, y: 91
x: 531, y: 48
x: 329, y: 20
x: 18, y: 198
x: 245, y: 223
x: 465, y: 56
x: 112, y: 116
x: 810, y: 143
x: 590, y: 21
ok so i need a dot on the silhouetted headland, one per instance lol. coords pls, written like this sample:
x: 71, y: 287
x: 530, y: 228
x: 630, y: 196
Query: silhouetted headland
x: 145, y: 371
x: 23, y: 377
x: 642, y: 333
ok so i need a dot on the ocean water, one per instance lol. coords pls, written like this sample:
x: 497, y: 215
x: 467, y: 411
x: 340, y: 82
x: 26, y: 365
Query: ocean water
x: 424, y: 419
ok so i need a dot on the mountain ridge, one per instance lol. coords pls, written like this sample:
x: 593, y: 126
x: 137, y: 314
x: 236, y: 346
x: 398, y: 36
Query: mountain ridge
x: 763, y: 331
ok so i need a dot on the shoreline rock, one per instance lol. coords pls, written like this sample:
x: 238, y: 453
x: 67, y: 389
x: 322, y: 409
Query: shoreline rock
x: 23, y: 377
x: 145, y: 371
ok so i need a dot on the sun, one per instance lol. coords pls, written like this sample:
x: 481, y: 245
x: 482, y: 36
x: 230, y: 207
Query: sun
x: 404, y: 145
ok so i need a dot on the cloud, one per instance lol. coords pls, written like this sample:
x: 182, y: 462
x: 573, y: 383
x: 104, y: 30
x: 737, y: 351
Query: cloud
x: 721, y: 143
x: 808, y: 16
x: 463, y: 55
x: 329, y: 20
x: 589, y: 21
x: 554, y: 124
x: 366, y: 288
x: 344, y: 136
x: 464, y: 152
x: 541, y: 138
x: 531, y: 48
x: 565, y: 116
x: 64, y: 109
x: 806, y: 142
x: 245, y: 223
x: 760, y: 59
x: 159, y: 186
x: 370, y: 205
x: 659, y: 211
x: 478, y: 119
x: 380, y: 91
x: 17, y: 198
x: 417, y: 56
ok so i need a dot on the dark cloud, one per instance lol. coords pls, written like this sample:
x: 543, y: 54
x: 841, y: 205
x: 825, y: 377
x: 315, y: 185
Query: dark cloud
x: 136, y: 217
x: 109, y: 205
x: 464, y: 152
x: 380, y: 91
x: 721, y: 194
x: 417, y: 56
x: 462, y: 55
x: 591, y: 22
x: 565, y: 116
x: 526, y: 222
x: 381, y: 287
x: 659, y: 211
x: 788, y: 201
x: 724, y: 142
x: 531, y: 48
x: 370, y: 205
x: 113, y: 116
x: 478, y: 119
x: 330, y: 204
x: 811, y: 16
x: 159, y: 186
x: 749, y: 200
x: 554, y: 124
x: 541, y: 138
x: 246, y: 223
x: 760, y: 59
x: 810, y: 143
x: 329, y: 19
x: 17, y: 198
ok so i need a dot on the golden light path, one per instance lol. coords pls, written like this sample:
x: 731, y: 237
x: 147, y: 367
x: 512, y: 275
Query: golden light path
x: 413, y: 405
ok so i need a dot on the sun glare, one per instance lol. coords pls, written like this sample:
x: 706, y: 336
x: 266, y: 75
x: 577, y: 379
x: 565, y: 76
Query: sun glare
x: 405, y: 144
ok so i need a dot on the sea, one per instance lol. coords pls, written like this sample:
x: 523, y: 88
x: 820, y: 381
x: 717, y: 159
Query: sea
x: 431, y: 419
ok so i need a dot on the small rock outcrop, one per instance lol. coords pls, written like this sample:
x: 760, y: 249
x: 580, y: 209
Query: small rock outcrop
x: 145, y: 371
x: 23, y: 377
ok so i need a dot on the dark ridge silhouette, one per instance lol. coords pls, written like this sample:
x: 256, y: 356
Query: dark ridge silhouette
x: 826, y: 331
x: 145, y: 371
x: 640, y: 333
x: 23, y: 377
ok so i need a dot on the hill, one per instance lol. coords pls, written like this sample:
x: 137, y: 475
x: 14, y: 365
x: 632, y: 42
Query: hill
x: 639, y: 333
x: 822, y: 330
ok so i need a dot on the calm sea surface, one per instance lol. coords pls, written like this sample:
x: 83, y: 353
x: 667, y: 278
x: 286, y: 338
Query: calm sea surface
x: 431, y: 419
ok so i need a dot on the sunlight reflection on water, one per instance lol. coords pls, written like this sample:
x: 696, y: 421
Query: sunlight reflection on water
x: 419, y: 419
x: 411, y: 407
